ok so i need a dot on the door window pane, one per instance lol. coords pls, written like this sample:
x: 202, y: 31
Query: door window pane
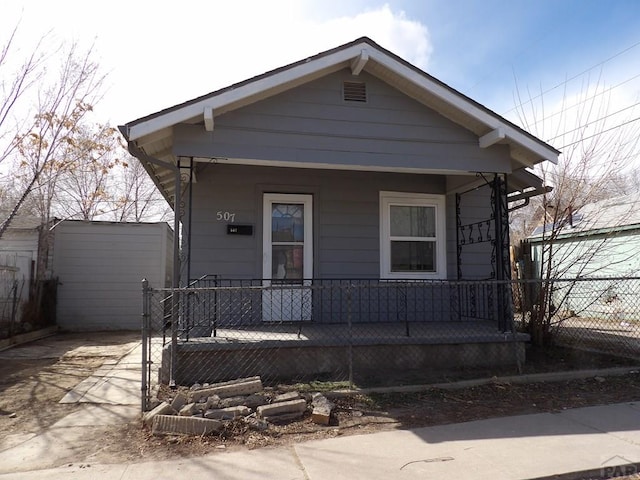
x: 287, y: 263
x: 287, y: 222
x: 412, y: 221
x: 413, y: 257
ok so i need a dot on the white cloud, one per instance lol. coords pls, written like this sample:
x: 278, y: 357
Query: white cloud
x: 226, y: 45
x: 164, y: 52
x: 392, y: 30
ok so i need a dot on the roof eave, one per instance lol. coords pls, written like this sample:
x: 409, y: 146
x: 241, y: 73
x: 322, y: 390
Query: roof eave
x: 287, y: 77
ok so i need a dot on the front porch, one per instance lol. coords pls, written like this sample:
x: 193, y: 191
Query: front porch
x: 356, y: 330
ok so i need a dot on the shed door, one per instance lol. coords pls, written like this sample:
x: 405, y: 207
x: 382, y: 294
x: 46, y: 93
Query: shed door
x: 287, y: 257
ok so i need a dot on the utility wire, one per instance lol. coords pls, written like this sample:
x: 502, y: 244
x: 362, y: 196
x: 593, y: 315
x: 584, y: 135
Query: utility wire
x: 599, y: 133
x: 593, y: 121
x: 574, y: 77
x: 586, y: 99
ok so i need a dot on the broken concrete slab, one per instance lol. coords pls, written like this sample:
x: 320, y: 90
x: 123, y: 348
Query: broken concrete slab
x: 188, y: 410
x: 322, y: 408
x: 286, y: 397
x: 231, y: 390
x: 255, y: 400
x: 179, y: 401
x: 163, y: 409
x: 256, y: 424
x: 213, y: 402
x: 283, y: 417
x: 175, y: 425
x: 228, y: 413
x: 293, y: 406
x: 232, y: 401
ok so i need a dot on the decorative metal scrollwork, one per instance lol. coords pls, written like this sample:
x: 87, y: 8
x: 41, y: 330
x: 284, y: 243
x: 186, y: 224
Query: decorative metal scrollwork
x: 477, y: 232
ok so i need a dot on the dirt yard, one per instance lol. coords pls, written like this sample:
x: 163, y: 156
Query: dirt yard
x: 35, y: 376
x: 31, y: 386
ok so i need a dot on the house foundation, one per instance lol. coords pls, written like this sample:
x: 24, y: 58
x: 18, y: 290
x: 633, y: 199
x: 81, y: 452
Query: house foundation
x: 213, y: 359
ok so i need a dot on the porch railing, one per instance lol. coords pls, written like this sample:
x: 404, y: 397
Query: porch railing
x: 211, y: 303
x: 336, y: 329
x: 371, y: 332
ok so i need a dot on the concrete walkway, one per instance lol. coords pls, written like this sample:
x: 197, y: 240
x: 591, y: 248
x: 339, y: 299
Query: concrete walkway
x: 110, y: 396
x: 598, y: 439
x: 116, y: 382
x: 520, y: 447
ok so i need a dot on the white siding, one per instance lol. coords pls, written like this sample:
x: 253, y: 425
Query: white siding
x: 100, y: 266
x: 18, y: 254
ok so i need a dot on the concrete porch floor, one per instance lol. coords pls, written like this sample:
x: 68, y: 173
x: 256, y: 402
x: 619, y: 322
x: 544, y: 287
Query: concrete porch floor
x: 308, y: 333
x: 292, y: 352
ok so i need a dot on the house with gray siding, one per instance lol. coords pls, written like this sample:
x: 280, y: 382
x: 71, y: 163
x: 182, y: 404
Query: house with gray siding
x: 351, y: 167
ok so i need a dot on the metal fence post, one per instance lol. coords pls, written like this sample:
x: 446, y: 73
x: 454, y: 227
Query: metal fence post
x: 350, y: 336
x: 145, y: 352
x: 175, y: 303
x: 14, y: 309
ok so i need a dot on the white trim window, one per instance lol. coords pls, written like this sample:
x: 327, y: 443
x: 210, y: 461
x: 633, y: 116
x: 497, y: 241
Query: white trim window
x: 412, y: 236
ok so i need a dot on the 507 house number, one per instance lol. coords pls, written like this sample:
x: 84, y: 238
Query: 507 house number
x: 225, y: 216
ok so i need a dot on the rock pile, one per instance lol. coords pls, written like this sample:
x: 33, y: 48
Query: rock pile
x: 204, y: 408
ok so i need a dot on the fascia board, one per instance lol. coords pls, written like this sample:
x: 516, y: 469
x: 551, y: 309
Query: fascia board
x: 300, y: 71
x: 464, y: 105
x: 238, y: 94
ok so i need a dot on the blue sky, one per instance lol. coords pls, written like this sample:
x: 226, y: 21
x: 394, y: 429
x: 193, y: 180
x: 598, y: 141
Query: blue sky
x: 164, y: 52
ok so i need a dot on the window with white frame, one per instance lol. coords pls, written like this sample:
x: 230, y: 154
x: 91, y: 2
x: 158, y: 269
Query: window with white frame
x: 412, y: 236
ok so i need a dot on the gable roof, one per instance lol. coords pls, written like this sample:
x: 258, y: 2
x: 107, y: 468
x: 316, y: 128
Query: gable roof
x: 612, y: 215
x: 150, y: 137
x: 22, y: 221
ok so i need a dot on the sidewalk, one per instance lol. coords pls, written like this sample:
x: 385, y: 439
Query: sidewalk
x: 528, y: 446
x: 519, y: 447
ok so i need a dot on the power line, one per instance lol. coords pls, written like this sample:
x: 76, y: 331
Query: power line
x: 599, y: 133
x: 587, y: 99
x: 593, y: 121
x: 574, y: 77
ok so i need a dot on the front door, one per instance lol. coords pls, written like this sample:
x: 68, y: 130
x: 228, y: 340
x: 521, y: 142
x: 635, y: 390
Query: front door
x: 287, y: 257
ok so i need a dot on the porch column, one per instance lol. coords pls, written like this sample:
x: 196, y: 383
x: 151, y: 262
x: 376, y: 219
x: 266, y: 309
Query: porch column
x: 502, y: 266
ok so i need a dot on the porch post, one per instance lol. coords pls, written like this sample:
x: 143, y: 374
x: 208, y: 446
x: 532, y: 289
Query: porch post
x: 175, y: 284
x: 503, y: 270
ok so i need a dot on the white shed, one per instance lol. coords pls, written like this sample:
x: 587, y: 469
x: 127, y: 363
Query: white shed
x: 100, y: 266
x: 19, y: 249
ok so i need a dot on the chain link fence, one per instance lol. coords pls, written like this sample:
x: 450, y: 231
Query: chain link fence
x: 11, y: 293
x: 371, y: 332
x: 349, y: 332
x: 598, y: 314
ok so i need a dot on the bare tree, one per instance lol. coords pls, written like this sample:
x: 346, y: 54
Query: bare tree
x: 136, y: 198
x: 14, y: 84
x: 596, y: 158
x: 42, y: 109
x: 83, y: 183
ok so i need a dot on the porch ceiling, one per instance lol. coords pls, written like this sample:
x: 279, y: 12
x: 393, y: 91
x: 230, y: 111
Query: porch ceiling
x: 151, y: 138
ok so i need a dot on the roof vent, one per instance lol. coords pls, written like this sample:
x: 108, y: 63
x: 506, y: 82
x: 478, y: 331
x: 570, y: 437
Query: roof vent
x: 354, y: 92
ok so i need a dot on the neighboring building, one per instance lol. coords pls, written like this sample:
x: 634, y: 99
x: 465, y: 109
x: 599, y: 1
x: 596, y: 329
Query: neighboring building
x: 19, y: 247
x: 599, y: 240
x: 98, y: 268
